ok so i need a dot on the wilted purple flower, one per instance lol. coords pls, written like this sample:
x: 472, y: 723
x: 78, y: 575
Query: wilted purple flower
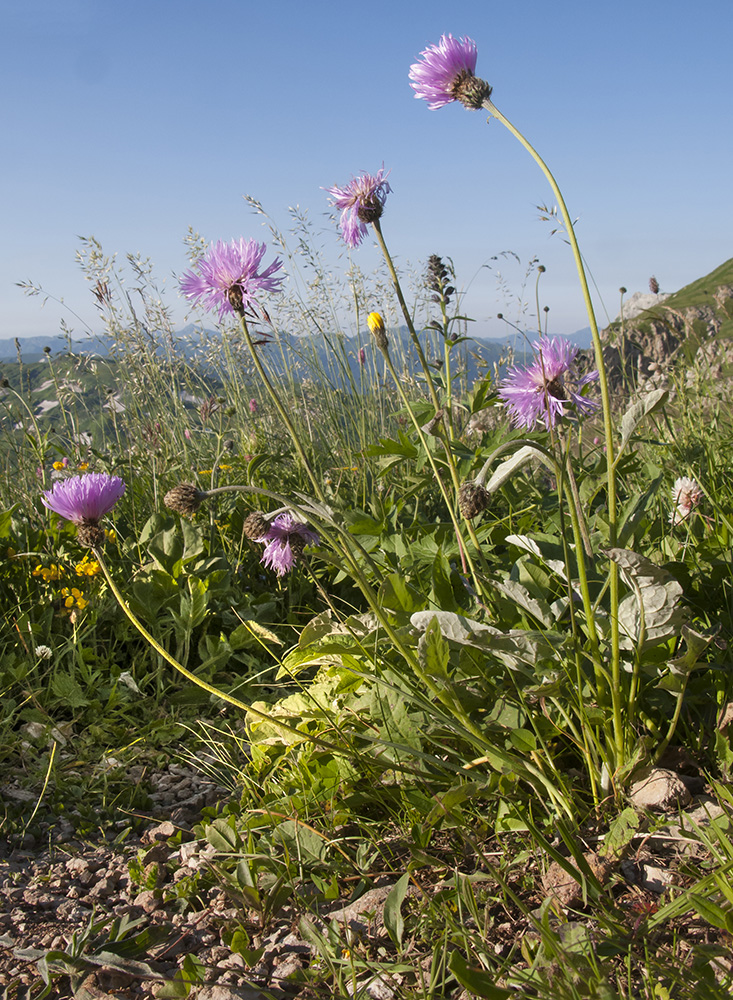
x: 540, y: 392
x: 85, y: 500
x: 446, y: 73
x: 362, y: 356
x: 226, y: 278
x: 253, y: 407
x: 361, y: 201
x: 286, y: 538
x: 686, y: 495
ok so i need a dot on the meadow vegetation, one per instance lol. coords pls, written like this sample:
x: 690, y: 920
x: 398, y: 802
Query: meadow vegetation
x: 487, y: 614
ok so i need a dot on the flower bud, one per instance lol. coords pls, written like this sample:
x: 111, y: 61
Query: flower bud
x: 472, y: 499
x: 184, y: 499
x: 256, y: 526
x: 376, y: 326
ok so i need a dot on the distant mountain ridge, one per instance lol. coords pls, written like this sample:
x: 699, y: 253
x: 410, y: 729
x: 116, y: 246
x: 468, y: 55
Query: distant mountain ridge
x: 476, y: 353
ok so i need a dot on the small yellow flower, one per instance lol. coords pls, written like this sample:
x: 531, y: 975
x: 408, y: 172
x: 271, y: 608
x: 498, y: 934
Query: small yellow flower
x: 88, y: 567
x: 82, y: 466
x: 225, y: 467
x: 375, y: 323
x: 49, y: 573
x: 376, y: 326
x: 205, y: 472
x: 110, y: 534
x: 59, y: 466
x: 74, y: 597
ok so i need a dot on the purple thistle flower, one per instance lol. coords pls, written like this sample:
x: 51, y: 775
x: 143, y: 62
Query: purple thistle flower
x: 84, y: 498
x: 361, y: 201
x: 539, y: 392
x: 286, y: 538
x: 226, y: 278
x: 446, y: 74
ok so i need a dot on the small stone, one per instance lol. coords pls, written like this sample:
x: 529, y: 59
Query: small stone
x: 148, y: 901
x: 160, y: 832
x: 658, y: 788
x: 158, y: 852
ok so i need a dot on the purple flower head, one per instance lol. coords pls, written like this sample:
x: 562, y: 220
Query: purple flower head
x: 286, y: 538
x: 84, y: 498
x: 361, y: 201
x: 226, y: 278
x: 446, y: 73
x: 540, y: 391
x: 253, y: 406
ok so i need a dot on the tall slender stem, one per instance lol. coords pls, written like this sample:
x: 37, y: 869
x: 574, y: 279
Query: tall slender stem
x: 284, y: 416
x: 616, y: 694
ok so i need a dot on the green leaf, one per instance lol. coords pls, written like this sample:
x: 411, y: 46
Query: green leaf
x: 68, y: 690
x: 523, y: 740
x: 393, y: 920
x: 396, y: 594
x: 651, y: 613
x: 433, y: 651
x: 636, y: 413
x: 475, y: 979
x: 222, y: 835
x: 713, y: 913
x: 513, y: 464
x: 621, y: 832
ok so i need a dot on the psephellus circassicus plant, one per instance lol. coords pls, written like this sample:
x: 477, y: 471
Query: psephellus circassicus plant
x: 444, y: 74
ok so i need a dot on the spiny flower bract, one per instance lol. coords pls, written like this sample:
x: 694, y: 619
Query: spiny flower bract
x: 86, y: 498
x: 539, y: 391
x: 361, y: 201
x: 441, y: 69
x: 230, y: 270
x: 286, y: 539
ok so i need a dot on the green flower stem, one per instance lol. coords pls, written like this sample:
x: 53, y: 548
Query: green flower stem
x: 408, y: 318
x: 465, y: 555
x: 673, y: 723
x: 434, y: 398
x: 277, y: 723
x: 284, y: 416
x: 616, y: 690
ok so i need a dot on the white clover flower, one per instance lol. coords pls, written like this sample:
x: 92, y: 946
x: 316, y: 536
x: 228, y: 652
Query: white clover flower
x: 686, y: 495
x: 43, y: 652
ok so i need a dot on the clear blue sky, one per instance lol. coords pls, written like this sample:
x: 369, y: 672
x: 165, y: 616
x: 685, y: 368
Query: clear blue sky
x: 132, y: 121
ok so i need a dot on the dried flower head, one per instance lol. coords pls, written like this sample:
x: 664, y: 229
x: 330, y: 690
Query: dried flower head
x: 376, y: 327
x: 445, y: 73
x: 472, y: 499
x: 286, y: 539
x: 686, y: 495
x: 184, y: 499
x: 653, y: 285
x: 227, y: 278
x: 541, y: 391
x: 43, y: 652
x: 361, y: 202
x: 85, y: 500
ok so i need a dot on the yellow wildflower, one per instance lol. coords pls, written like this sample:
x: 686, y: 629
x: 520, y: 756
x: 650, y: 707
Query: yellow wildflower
x: 87, y: 567
x: 49, y: 573
x: 82, y: 466
x: 74, y: 597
